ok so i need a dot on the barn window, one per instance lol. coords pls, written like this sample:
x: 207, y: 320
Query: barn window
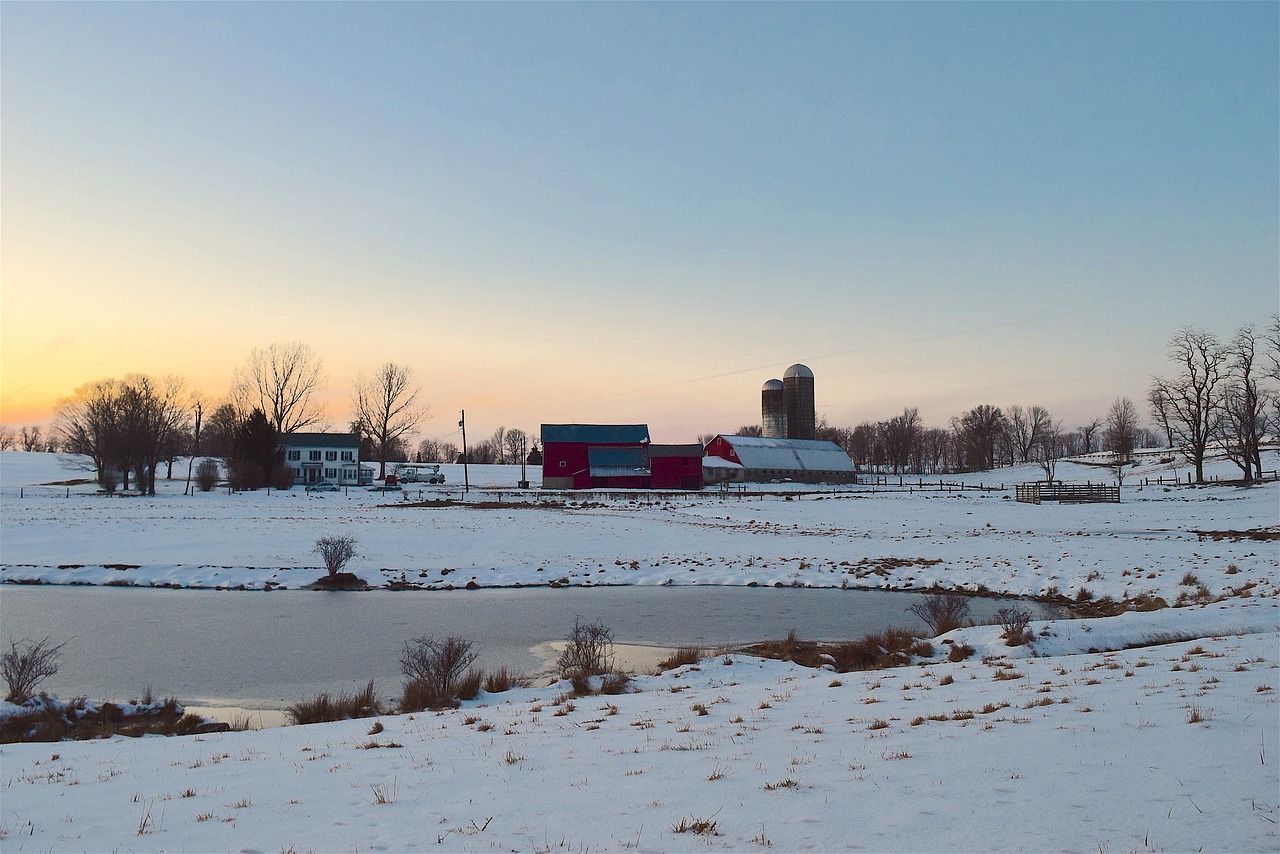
x: 562, y: 464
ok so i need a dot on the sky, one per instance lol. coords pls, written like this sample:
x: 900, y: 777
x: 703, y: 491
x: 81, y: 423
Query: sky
x: 622, y: 213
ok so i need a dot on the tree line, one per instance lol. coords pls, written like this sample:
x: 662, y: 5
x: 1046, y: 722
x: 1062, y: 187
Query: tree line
x: 1221, y: 395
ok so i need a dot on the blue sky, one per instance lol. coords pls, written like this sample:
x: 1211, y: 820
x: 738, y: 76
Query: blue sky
x: 637, y: 212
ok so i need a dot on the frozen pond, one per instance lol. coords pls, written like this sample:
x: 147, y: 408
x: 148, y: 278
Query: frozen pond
x: 264, y: 650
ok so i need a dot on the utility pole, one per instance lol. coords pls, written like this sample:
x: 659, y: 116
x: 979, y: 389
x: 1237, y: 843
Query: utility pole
x: 466, y: 477
x: 196, y: 451
x: 524, y: 459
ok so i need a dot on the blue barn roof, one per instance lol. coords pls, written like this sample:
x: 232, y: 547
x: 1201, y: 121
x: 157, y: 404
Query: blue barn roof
x: 596, y: 434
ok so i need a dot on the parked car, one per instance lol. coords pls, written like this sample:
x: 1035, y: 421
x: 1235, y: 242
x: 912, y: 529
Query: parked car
x: 324, y: 486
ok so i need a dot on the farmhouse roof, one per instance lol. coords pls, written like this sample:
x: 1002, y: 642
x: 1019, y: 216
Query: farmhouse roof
x: 596, y: 434
x: 320, y: 440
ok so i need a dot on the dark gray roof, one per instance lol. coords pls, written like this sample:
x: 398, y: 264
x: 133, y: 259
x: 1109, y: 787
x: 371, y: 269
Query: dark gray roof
x: 694, y: 450
x: 320, y: 440
x: 596, y: 434
x: 630, y: 457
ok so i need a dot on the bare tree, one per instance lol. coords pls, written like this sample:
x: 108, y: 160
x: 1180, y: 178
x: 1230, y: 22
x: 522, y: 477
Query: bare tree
x: 432, y: 669
x: 516, y: 444
x: 30, y: 438
x: 498, y: 442
x: 1122, y: 435
x: 942, y: 612
x: 588, y: 650
x: 336, y: 551
x: 1245, y: 405
x: 8, y: 437
x: 705, y: 438
x: 1050, y: 447
x: 747, y: 430
x: 1087, y: 433
x: 1025, y: 427
x: 978, y: 432
x: 386, y: 408
x: 1193, y: 398
x: 26, y: 665
x: 901, y: 435
x: 283, y: 381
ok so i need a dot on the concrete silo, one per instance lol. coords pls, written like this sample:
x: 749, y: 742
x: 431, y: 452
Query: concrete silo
x: 773, y: 410
x: 797, y: 390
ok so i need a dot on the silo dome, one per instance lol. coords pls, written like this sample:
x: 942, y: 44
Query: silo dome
x: 798, y: 370
x: 772, y: 385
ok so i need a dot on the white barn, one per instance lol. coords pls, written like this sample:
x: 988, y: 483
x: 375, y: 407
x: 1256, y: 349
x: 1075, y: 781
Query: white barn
x: 757, y: 459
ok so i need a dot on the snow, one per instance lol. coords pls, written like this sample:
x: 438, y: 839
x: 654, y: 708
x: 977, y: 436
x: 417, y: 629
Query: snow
x: 1078, y: 742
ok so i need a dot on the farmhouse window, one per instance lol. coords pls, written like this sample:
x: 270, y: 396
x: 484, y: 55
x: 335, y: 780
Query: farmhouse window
x: 346, y: 456
x: 315, y: 456
x: 295, y: 455
x: 331, y: 455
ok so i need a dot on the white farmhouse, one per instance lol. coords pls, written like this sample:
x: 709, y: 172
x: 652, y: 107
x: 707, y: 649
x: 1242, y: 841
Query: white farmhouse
x: 335, y: 457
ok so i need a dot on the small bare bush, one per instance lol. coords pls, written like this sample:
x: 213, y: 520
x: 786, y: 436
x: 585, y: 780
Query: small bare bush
x: 959, y: 652
x: 325, y: 708
x: 503, y: 679
x: 207, y: 475
x: 942, y: 612
x: 680, y: 657
x: 26, y: 665
x: 1015, y: 622
x: 588, y: 649
x: 336, y: 551
x: 433, y: 670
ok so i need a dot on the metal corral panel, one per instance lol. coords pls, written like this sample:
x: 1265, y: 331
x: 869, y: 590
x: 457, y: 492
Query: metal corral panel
x: 780, y: 455
x: 596, y: 434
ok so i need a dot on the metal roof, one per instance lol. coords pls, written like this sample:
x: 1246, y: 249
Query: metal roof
x: 596, y: 434
x: 633, y: 457
x: 694, y: 450
x: 798, y: 370
x: 320, y: 440
x: 789, y: 454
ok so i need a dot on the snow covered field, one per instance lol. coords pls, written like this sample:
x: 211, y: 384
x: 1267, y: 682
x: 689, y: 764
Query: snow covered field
x: 1164, y: 747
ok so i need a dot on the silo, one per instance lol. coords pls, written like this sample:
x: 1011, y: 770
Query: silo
x: 773, y: 410
x: 797, y: 389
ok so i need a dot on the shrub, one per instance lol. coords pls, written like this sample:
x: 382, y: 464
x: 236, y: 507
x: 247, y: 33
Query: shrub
x: 207, y: 474
x: 469, y: 685
x: 614, y: 683
x: 959, y: 652
x: 108, y: 480
x: 323, y: 709
x: 682, y: 656
x: 502, y: 680
x: 1015, y: 622
x: 336, y: 550
x: 432, y: 670
x: 26, y: 665
x: 588, y: 649
x: 282, y: 478
x: 942, y: 612
x: 887, y: 649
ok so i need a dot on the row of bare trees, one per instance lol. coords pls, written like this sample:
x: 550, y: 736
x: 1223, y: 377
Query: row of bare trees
x: 1222, y: 394
x: 128, y: 426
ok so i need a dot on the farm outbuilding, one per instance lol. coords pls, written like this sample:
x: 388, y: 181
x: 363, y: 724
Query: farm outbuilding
x: 759, y: 459
x: 615, y: 456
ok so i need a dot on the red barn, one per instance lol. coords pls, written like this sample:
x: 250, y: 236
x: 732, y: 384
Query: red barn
x: 675, y: 466
x: 615, y: 456
x: 583, y: 456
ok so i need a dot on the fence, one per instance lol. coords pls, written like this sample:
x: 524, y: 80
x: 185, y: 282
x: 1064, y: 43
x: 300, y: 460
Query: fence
x: 1067, y: 493
x: 1174, y: 480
